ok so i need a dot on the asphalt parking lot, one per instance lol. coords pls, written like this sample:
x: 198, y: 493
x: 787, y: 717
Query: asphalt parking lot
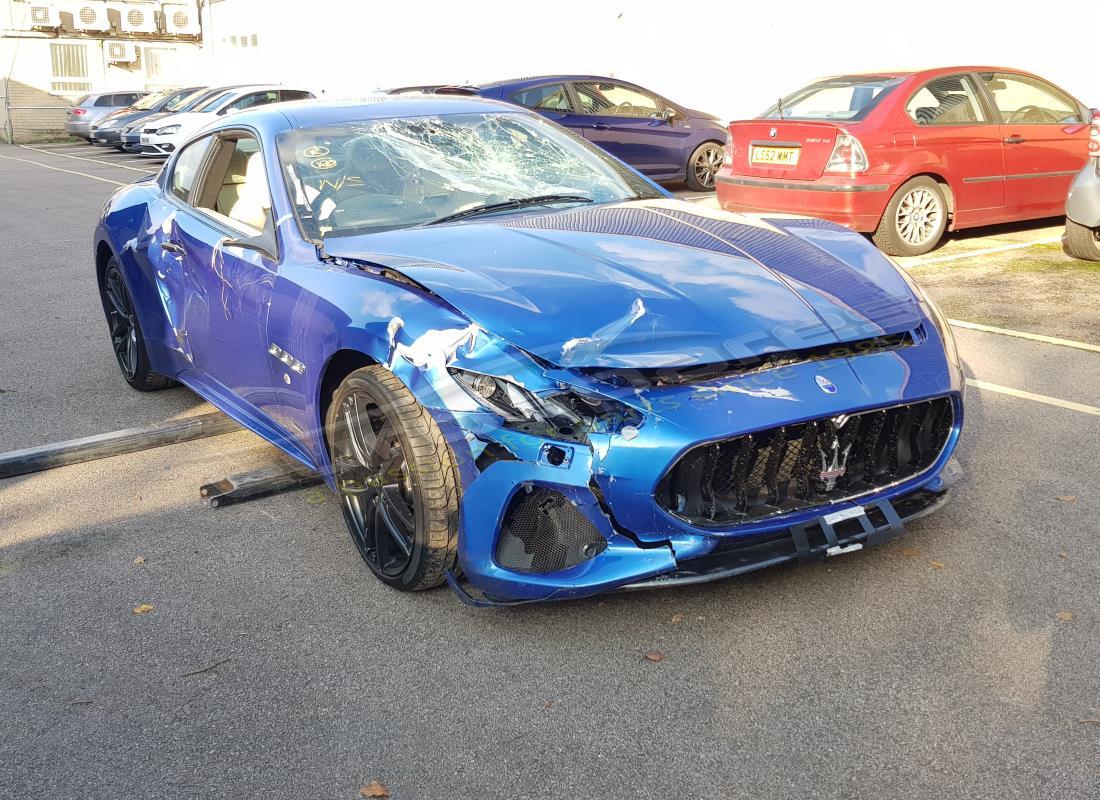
x: 959, y: 661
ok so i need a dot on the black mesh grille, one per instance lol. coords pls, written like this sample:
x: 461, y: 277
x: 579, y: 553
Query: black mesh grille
x: 544, y: 532
x: 804, y: 465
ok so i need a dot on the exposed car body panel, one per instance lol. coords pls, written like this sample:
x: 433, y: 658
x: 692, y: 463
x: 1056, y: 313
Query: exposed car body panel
x: 482, y: 295
x: 1083, y: 203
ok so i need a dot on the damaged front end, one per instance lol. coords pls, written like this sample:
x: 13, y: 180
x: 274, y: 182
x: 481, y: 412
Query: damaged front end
x: 582, y: 480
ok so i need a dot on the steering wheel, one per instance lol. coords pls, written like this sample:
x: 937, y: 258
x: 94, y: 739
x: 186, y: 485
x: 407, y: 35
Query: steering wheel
x: 1032, y: 114
x: 627, y: 108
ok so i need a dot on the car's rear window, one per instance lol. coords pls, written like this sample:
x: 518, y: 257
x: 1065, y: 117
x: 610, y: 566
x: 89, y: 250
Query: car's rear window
x: 845, y: 98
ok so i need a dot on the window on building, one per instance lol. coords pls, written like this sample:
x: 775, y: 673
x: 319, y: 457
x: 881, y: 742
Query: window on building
x: 69, y: 63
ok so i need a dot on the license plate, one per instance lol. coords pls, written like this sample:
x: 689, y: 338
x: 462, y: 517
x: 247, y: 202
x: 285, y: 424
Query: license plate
x: 783, y: 156
x: 146, y: 139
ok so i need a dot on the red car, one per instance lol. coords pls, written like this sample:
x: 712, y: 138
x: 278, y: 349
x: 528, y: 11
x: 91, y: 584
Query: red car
x: 910, y: 155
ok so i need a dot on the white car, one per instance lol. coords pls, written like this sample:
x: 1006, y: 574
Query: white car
x: 161, y: 137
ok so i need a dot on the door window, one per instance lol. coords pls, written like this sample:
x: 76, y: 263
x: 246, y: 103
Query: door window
x: 1024, y: 100
x: 950, y: 100
x: 187, y: 168
x: 294, y: 94
x: 234, y: 189
x: 551, y: 97
x: 614, y: 100
x: 251, y: 100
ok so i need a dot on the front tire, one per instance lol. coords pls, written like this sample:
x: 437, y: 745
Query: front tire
x: 1081, y: 242
x: 703, y: 166
x: 915, y: 219
x: 397, y: 479
x: 127, y: 339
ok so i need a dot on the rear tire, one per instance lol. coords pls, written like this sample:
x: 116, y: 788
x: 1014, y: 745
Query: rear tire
x: 703, y: 165
x: 915, y: 219
x: 1081, y: 242
x: 397, y: 479
x: 127, y: 340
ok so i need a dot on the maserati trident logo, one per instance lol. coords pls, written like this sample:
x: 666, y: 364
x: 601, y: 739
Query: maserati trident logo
x: 825, y: 384
x: 834, y: 463
x: 772, y: 133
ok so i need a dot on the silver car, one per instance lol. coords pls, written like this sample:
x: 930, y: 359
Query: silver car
x: 1082, y: 237
x: 91, y: 107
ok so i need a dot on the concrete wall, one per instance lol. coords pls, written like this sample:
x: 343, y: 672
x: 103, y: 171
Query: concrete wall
x: 733, y: 59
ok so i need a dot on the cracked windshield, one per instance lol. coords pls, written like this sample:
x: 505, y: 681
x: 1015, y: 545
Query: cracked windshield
x: 378, y: 175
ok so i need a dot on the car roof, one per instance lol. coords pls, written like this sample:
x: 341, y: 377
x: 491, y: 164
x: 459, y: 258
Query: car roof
x: 925, y: 72
x: 311, y: 113
x: 545, y: 78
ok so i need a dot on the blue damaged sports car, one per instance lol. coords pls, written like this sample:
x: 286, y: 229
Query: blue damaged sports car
x: 524, y: 368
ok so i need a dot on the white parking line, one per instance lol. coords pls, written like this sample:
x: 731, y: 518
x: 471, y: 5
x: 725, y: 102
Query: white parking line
x: 70, y: 171
x: 975, y: 253
x: 1038, y: 398
x: 1035, y: 337
x: 92, y: 160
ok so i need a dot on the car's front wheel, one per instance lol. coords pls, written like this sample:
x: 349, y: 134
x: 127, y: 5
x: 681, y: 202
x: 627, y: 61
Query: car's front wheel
x: 397, y: 479
x: 127, y: 340
x: 915, y: 219
x: 703, y: 166
x: 1081, y: 242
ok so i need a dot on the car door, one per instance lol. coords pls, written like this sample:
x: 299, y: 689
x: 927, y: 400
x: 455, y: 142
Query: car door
x: 553, y: 101
x: 163, y: 252
x: 957, y: 133
x: 228, y: 287
x: 631, y: 125
x: 1044, y: 132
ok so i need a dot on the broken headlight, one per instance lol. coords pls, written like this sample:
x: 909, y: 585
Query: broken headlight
x: 563, y: 415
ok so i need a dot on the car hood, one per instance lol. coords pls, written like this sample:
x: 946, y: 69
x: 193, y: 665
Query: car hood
x: 651, y: 283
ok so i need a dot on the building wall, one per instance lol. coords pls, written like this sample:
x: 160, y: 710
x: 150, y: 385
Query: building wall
x: 33, y: 100
x: 732, y: 59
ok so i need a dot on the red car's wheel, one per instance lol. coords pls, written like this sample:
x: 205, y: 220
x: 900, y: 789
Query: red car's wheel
x: 915, y: 219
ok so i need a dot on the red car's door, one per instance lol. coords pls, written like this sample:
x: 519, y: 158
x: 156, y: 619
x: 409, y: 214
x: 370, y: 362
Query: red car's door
x: 1044, y: 132
x: 961, y: 137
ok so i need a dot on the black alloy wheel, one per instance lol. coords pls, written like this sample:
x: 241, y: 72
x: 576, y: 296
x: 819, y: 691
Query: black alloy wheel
x: 127, y: 340
x: 396, y: 479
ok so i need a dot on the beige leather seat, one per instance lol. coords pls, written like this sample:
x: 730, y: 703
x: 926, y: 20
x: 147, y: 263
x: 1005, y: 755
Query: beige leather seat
x: 244, y: 194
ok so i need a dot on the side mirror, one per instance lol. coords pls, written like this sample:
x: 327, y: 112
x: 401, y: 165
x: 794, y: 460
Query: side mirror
x: 264, y: 244
x: 669, y: 114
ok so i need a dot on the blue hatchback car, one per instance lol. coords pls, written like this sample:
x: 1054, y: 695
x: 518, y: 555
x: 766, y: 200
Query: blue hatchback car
x: 661, y: 139
x: 523, y: 367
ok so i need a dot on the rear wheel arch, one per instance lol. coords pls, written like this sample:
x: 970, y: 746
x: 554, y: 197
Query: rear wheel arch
x: 103, y: 254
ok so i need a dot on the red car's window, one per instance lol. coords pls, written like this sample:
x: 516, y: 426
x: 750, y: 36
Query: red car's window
x: 845, y: 98
x: 1024, y: 100
x: 950, y: 100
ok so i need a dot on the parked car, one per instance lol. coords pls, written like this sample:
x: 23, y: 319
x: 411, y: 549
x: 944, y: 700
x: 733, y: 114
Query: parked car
x: 909, y: 155
x: 91, y: 107
x: 162, y: 136
x: 1082, y: 237
x: 131, y: 134
x: 509, y: 353
x: 661, y: 139
x: 108, y: 129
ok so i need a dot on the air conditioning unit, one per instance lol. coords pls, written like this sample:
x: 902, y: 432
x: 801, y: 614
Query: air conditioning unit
x: 44, y: 16
x: 180, y: 20
x: 137, y: 19
x: 89, y: 17
x: 121, y: 52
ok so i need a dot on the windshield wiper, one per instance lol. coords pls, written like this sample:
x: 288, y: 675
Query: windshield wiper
x: 516, y: 202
